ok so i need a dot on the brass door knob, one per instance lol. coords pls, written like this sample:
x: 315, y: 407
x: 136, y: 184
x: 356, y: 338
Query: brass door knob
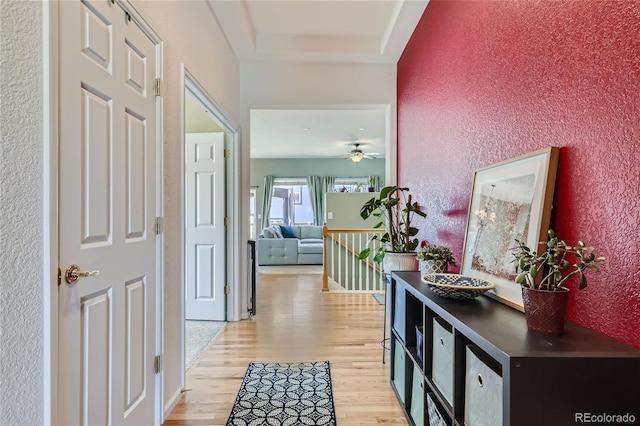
x: 73, y: 274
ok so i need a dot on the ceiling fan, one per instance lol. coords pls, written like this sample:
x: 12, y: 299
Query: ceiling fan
x: 356, y: 154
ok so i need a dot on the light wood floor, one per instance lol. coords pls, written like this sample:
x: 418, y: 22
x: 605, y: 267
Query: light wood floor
x: 296, y: 322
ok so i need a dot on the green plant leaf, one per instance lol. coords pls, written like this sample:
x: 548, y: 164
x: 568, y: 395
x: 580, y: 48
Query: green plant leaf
x: 521, y: 278
x: 557, y: 276
x: 583, y: 281
x: 364, y: 253
x: 384, y: 192
x: 419, y: 212
x: 379, y: 257
x: 521, y: 263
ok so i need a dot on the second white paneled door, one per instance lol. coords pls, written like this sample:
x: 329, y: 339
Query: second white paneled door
x: 205, y: 251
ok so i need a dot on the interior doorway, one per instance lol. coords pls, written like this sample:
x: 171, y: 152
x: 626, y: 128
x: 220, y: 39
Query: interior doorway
x: 207, y: 237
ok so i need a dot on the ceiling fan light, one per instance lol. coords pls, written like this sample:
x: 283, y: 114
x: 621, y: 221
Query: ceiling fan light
x: 357, y: 156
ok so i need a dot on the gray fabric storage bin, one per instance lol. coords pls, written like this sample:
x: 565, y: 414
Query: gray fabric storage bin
x: 483, y: 389
x: 435, y: 418
x: 417, y: 396
x: 399, y: 360
x: 399, y: 312
x: 420, y: 343
x: 442, y: 358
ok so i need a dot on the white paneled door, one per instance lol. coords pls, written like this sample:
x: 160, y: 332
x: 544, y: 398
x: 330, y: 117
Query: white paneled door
x: 205, y: 229
x: 107, y: 207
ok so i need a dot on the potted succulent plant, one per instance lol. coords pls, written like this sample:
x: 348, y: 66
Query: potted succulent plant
x: 543, y: 274
x: 396, y: 210
x: 435, y: 258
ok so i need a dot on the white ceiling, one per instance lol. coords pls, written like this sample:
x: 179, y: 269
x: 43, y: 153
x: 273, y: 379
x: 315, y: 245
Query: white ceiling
x: 316, y: 133
x: 197, y: 118
x: 346, y: 31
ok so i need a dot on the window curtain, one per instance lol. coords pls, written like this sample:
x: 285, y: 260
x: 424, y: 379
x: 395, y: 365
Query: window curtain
x: 318, y: 186
x: 266, y: 200
x: 375, y: 181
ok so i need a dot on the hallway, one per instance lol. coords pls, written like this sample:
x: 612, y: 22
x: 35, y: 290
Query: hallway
x: 295, y: 321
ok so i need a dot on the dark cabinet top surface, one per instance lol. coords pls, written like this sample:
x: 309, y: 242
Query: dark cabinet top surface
x: 502, y: 331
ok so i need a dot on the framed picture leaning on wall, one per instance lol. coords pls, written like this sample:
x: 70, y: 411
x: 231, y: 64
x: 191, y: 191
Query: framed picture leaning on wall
x: 509, y: 200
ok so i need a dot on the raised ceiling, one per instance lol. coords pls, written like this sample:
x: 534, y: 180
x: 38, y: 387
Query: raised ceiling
x: 362, y: 31
x: 344, y: 31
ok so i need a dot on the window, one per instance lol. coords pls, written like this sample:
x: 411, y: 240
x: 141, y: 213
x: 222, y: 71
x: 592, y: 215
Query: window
x: 290, y: 203
x: 358, y: 184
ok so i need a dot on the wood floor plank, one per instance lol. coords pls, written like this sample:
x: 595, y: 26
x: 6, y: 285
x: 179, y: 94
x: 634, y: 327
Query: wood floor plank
x: 296, y: 322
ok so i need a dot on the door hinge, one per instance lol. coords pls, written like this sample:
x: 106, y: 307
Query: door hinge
x: 157, y: 226
x: 157, y: 364
x: 156, y: 86
x: 227, y: 289
x: 227, y: 153
x: 227, y: 221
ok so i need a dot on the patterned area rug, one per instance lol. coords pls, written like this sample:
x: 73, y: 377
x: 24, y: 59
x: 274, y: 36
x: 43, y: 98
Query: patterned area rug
x: 285, y: 394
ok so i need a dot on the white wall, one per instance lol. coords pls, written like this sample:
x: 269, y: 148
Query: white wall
x: 21, y: 223
x: 284, y: 84
x: 191, y: 36
x: 344, y: 209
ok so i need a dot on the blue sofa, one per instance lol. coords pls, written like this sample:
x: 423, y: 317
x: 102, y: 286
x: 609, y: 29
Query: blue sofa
x: 290, y: 245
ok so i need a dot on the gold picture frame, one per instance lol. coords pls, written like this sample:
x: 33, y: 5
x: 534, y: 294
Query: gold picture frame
x: 509, y: 200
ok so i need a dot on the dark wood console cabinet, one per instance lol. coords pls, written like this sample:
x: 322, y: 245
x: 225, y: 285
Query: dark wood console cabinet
x: 579, y: 377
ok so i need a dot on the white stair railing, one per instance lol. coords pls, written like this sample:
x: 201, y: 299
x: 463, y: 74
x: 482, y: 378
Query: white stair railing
x: 343, y: 270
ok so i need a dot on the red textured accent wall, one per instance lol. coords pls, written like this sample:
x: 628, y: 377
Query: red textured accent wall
x: 484, y: 81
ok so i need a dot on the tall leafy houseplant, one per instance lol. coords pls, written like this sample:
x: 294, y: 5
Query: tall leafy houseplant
x: 543, y: 275
x: 396, y: 210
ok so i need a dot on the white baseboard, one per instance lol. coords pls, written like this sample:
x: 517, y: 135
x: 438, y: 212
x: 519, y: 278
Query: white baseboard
x: 171, y: 404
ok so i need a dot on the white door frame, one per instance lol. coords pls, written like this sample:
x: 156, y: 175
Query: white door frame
x: 232, y: 138
x: 51, y: 238
x: 253, y: 197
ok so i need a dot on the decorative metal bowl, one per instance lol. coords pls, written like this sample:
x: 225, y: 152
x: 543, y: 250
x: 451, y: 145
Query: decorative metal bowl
x: 454, y: 286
